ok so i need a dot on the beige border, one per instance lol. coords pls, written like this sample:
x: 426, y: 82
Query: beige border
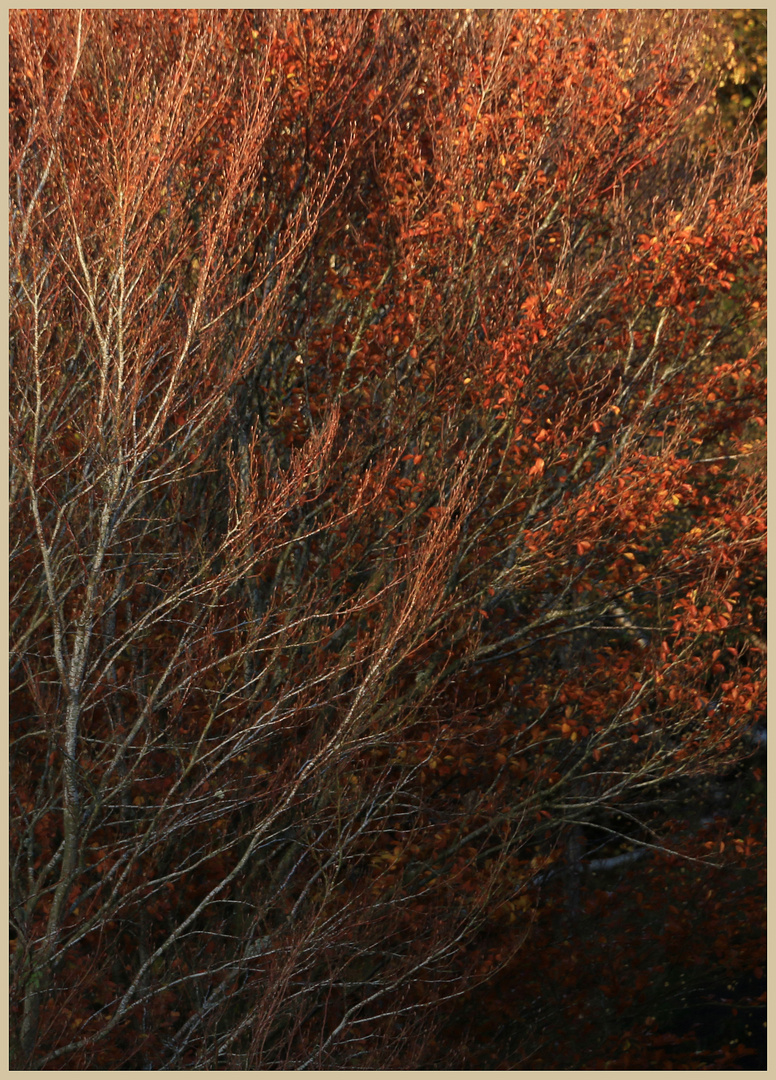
x: 4, y: 1033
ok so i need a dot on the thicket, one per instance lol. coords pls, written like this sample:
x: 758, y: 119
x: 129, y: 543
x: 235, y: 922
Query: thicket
x: 387, y: 515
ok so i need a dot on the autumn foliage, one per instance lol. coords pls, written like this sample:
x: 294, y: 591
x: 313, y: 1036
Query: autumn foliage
x: 387, y: 524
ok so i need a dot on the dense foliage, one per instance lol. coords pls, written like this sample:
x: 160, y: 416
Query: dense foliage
x: 387, y: 529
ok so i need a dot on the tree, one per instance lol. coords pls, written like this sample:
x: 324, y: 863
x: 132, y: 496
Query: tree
x: 384, y: 516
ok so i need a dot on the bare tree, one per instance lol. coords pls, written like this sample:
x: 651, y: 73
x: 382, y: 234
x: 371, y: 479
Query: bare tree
x: 336, y: 614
